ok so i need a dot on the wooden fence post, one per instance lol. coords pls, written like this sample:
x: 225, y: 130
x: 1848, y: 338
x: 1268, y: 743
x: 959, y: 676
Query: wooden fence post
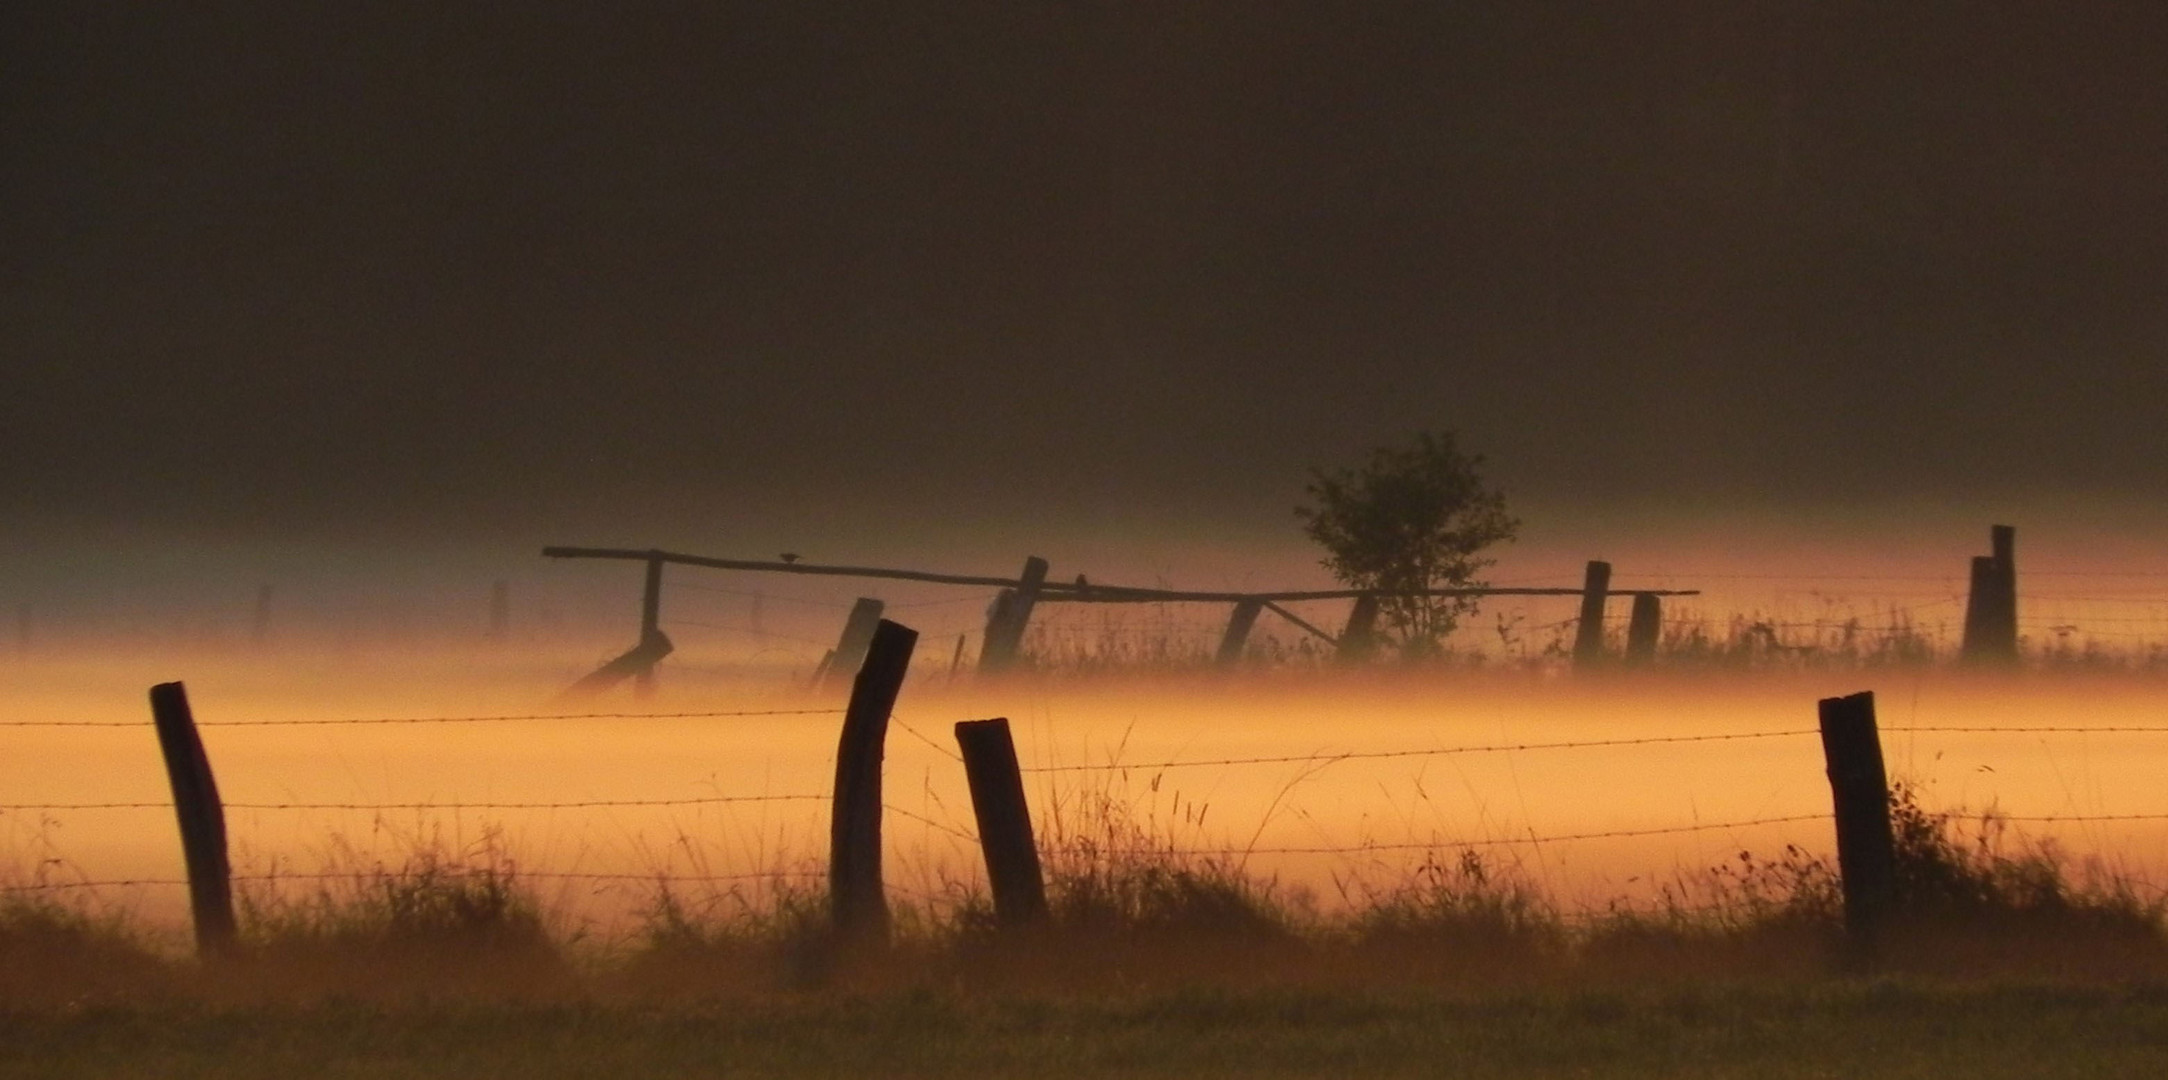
x: 850, y: 650
x: 997, y: 801
x: 1011, y: 614
x: 202, y: 818
x: 1645, y: 628
x: 643, y: 680
x: 857, y: 904
x: 1360, y: 638
x: 1859, y: 787
x: 1237, y: 636
x: 1588, y: 637
x: 1991, y: 604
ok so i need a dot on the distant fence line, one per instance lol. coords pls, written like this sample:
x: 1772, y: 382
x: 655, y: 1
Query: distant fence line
x: 1010, y: 612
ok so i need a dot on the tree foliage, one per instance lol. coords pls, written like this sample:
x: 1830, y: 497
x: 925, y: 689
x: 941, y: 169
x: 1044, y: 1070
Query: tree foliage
x: 1411, y: 516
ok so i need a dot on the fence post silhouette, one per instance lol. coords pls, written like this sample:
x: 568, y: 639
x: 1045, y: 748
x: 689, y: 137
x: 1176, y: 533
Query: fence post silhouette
x: 643, y: 680
x: 1866, y: 844
x: 1237, y: 636
x: 1645, y: 628
x: 1360, y: 638
x: 1011, y: 614
x: 1991, y: 605
x: 1588, y: 636
x: 850, y: 650
x: 857, y: 904
x: 997, y: 802
x: 202, y: 819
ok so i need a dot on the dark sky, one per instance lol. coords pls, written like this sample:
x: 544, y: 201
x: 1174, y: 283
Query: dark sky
x: 292, y: 266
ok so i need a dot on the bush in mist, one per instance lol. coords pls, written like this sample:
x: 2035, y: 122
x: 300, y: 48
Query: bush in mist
x: 1411, y: 516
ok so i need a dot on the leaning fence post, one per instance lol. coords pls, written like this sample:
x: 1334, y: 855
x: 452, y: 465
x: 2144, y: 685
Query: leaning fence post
x: 997, y: 801
x: 856, y: 902
x: 202, y: 818
x: 1859, y: 786
x: 1644, y: 628
x: 850, y: 650
x: 1011, y: 614
x: 643, y: 681
x: 1588, y: 637
x: 1237, y: 636
x: 1360, y: 637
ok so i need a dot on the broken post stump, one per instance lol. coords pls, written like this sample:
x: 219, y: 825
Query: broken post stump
x: 1991, y: 604
x: 1588, y: 637
x: 1005, y: 836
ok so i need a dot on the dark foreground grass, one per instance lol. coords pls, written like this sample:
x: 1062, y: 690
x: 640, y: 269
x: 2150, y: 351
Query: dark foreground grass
x: 1831, y: 1030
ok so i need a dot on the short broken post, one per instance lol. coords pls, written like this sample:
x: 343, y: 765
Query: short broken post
x: 1011, y: 614
x: 1588, y: 637
x: 1005, y: 836
x: 1866, y: 844
x: 1991, y: 604
x: 202, y: 819
x: 850, y: 649
x: 1644, y: 629
x: 857, y: 903
x: 1237, y: 637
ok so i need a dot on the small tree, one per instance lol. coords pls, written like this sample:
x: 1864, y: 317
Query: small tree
x: 1414, y: 516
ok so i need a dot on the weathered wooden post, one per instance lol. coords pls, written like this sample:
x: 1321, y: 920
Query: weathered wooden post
x: 1991, y: 603
x: 850, y: 650
x: 857, y: 904
x: 1360, y: 638
x: 1588, y: 637
x: 643, y: 681
x: 1237, y: 636
x: 1011, y: 614
x: 500, y: 610
x: 202, y: 818
x: 997, y: 801
x: 1644, y: 629
x: 1859, y: 787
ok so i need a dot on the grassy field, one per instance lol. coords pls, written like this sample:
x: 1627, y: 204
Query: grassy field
x: 1848, y: 1029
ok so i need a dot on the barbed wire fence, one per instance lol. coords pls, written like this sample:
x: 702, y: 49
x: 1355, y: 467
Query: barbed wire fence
x: 967, y: 835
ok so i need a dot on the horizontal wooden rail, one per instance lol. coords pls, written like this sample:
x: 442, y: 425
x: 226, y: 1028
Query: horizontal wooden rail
x: 1060, y: 590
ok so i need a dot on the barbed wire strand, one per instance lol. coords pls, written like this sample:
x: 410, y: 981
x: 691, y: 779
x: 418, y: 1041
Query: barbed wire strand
x: 1354, y: 755
x: 580, y: 804
x: 1356, y: 849
x: 427, y: 719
